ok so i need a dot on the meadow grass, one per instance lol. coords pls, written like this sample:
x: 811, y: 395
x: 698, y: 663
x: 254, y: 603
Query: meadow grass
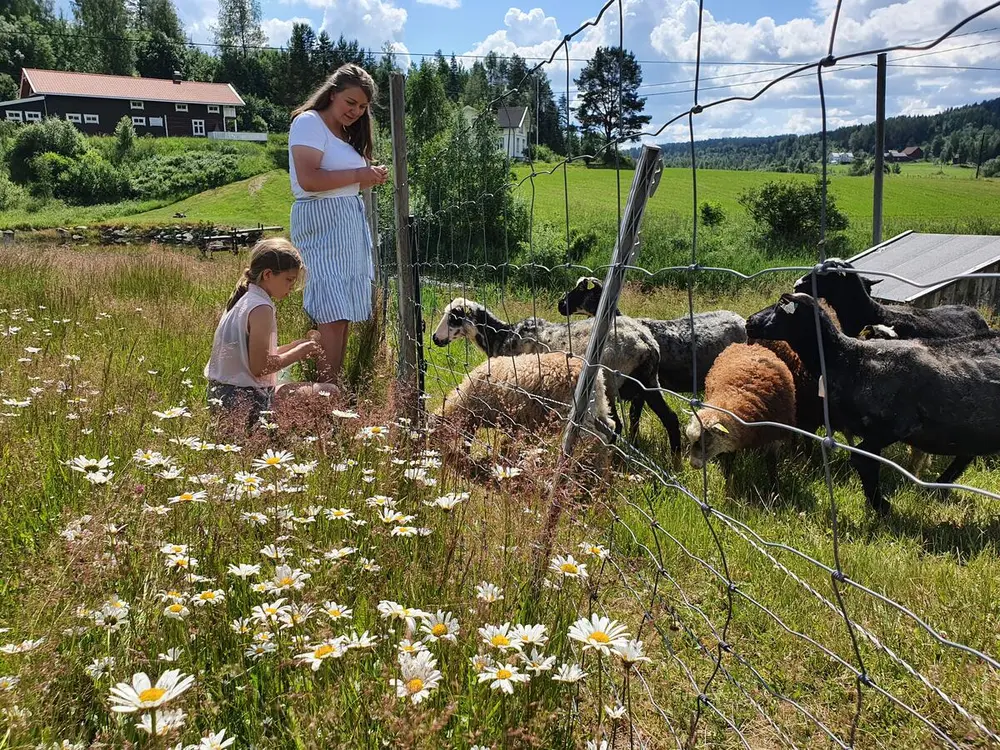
x: 98, y: 340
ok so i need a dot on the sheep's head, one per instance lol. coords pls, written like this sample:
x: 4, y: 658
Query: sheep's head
x: 709, y: 437
x: 789, y: 320
x: 458, y: 321
x: 583, y: 298
x: 836, y: 280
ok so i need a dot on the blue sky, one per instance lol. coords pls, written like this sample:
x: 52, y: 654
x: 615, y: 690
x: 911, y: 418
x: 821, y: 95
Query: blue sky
x: 744, y: 41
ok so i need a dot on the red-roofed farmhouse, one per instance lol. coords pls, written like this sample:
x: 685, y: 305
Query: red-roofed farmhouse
x: 95, y: 103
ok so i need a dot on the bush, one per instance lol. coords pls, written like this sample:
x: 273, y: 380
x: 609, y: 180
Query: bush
x: 861, y: 167
x: 712, y: 214
x: 183, y: 174
x: 789, y: 212
x: 48, y: 170
x: 990, y: 168
x: 50, y: 135
x: 278, y: 153
x: 125, y: 140
x: 92, y: 179
x: 547, y: 250
x: 543, y: 153
x: 11, y: 194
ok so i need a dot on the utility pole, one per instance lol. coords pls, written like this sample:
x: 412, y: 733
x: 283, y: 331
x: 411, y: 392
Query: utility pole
x: 879, y: 149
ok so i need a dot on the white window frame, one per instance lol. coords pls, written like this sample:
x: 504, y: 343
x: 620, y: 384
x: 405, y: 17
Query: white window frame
x: 138, y: 121
x: 32, y: 116
x: 213, y: 109
x: 196, y: 125
x: 136, y: 105
x: 72, y: 117
x: 91, y: 120
x: 14, y: 115
x: 156, y: 122
x: 179, y: 107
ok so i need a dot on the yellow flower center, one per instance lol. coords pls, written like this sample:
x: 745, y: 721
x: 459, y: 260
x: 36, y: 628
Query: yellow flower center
x: 500, y: 640
x: 439, y: 630
x: 323, y: 651
x: 151, y: 694
x: 286, y: 581
x: 208, y: 595
x: 568, y: 568
x: 338, y: 513
x: 599, y: 637
x: 334, y: 613
x: 504, y: 674
x: 272, y: 460
x: 181, y: 562
x: 176, y: 607
x: 186, y: 496
x: 415, y: 685
x: 174, y: 594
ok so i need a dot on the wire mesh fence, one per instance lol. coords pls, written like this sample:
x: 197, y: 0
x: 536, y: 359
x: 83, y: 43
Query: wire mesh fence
x: 784, y: 635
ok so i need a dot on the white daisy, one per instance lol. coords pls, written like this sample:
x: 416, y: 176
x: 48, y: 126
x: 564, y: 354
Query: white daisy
x: 630, y: 652
x: 499, y: 637
x: 569, y: 673
x: 243, y: 570
x: 167, y: 721
x: 332, y: 648
x: 419, y: 677
x: 502, y: 677
x: 538, y: 662
x: 217, y: 741
x: 568, y: 567
x: 141, y: 694
x: 208, y: 596
x: 286, y: 578
x: 488, y: 592
x: 441, y: 626
x: 599, y: 633
x: 336, y: 611
x: 273, y: 459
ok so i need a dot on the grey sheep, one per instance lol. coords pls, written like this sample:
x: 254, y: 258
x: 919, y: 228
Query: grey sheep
x: 631, y: 352
x: 939, y: 396
x: 714, y: 331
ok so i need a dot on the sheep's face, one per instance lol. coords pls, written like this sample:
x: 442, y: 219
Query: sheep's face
x: 457, y: 322
x: 836, y: 283
x: 709, y: 437
x: 583, y: 298
x: 787, y: 321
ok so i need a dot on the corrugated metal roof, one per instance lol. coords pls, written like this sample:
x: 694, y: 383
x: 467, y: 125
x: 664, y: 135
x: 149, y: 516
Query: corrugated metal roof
x: 511, y: 117
x: 929, y: 259
x: 129, y: 87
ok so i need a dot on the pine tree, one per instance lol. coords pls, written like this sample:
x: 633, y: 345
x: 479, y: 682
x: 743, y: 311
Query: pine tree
x: 608, y: 70
x: 301, y: 77
x: 239, y: 26
x: 162, y: 49
x: 106, y: 24
x: 322, y: 61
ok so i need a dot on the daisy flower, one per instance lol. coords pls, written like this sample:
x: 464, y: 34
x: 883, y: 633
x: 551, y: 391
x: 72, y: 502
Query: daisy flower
x: 506, y: 472
x: 141, y: 694
x: 488, y: 592
x: 273, y: 459
x: 600, y: 634
x: 376, y: 432
x: 173, y: 413
x: 181, y: 562
x: 8, y: 682
x: 171, y: 655
x: 330, y: 648
x: 208, y: 597
x: 338, y: 514
x: 364, y: 640
x: 342, y: 553
x: 176, y: 611
x: 419, y: 677
x: 241, y: 625
x: 449, y: 501
x: 21, y: 648
x: 297, y: 614
x: 345, y: 414
x: 254, y: 518
x: 499, y: 637
x: 247, y: 480
x: 270, y: 612
x: 407, y: 647
x: 502, y: 677
x: 441, y: 626
x: 569, y: 673
x: 529, y: 635
x: 630, y: 652
x: 217, y: 741
x: 100, y: 667
x: 189, y: 497
x: 337, y: 611
x: 275, y: 552
x: 174, y: 549
x: 568, y: 567
x: 259, y: 649
x: 405, y: 531
x: 86, y: 465
x: 243, y: 570
x: 391, y: 515
x: 393, y: 611
x: 538, y: 662
x: 595, y: 550
x: 380, y: 501
x: 167, y: 721
x: 286, y: 578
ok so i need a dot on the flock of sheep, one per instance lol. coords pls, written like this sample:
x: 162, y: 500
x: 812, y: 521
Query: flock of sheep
x: 886, y: 374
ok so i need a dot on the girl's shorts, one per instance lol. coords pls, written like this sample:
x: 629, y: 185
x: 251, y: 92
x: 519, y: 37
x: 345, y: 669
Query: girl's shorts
x: 239, y: 398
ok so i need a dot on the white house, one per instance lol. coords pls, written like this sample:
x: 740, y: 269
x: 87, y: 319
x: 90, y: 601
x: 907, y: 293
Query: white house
x: 513, y: 130
x: 841, y: 157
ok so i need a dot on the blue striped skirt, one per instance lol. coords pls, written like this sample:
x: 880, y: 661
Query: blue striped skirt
x: 332, y: 236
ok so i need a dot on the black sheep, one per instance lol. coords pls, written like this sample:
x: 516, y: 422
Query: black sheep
x: 940, y: 396
x: 849, y: 295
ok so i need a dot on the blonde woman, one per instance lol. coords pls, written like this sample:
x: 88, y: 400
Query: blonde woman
x: 330, y: 152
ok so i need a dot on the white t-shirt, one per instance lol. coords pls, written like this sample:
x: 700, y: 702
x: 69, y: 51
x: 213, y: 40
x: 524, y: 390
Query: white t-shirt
x: 230, y: 360
x: 308, y: 129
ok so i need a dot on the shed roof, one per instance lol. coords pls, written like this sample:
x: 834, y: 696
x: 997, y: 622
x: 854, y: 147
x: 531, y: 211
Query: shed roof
x: 511, y: 117
x: 103, y: 86
x: 926, y: 259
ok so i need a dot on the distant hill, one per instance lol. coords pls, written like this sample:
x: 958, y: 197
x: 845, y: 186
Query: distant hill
x: 952, y: 135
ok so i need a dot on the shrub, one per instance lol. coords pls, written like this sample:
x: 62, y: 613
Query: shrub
x: 790, y: 211
x: 48, y: 170
x: 92, y: 179
x: 543, y: 153
x: 50, y: 135
x: 546, y: 250
x: 125, y: 140
x: 861, y: 167
x: 712, y: 214
x: 278, y: 153
x: 183, y: 174
x: 990, y: 168
x: 11, y: 194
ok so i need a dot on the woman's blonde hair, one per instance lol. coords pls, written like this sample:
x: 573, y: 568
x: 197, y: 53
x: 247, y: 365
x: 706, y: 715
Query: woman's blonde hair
x: 361, y: 133
x: 276, y: 255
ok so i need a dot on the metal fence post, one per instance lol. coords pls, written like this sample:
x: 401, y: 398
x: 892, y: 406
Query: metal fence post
x: 644, y: 183
x: 406, y: 270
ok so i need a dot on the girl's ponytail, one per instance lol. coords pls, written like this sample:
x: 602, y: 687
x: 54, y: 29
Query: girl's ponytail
x: 275, y: 255
x: 240, y: 290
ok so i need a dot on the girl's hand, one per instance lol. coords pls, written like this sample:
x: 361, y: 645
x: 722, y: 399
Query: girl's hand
x: 369, y: 176
x: 313, y: 335
x: 311, y: 350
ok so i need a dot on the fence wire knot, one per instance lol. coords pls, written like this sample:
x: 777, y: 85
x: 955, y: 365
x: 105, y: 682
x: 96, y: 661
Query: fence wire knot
x: 829, y: 61
x: 839, y: 576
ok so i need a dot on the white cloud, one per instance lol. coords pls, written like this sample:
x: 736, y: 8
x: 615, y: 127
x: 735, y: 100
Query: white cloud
x: 371, y: 22
x: 278, y: 30
x: 449, y: 4
x: 663, y: 32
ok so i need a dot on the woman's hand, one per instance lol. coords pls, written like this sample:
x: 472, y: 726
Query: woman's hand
x: 374, y: 175
x: 310, y: 350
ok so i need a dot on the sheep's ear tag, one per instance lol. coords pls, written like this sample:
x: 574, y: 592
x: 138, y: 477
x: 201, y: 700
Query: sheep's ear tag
x: 822, y: 387
x: 789, y: 307
x: 719, y: 427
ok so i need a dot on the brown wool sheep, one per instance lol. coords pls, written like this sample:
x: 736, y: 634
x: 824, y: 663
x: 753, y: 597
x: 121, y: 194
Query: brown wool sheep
x: 752, y: 382
x: 527, y: 394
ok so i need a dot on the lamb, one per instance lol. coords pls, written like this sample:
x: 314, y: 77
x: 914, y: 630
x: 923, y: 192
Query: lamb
x: 714, y: 331
x: 752, y: 382
x: 849, y: 294
x: 630, y: 351
x: 939, y: 396
x: 526, y: 393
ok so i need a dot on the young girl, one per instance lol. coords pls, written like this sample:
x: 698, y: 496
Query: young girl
x: 330, y: 152
x: 245, y: 358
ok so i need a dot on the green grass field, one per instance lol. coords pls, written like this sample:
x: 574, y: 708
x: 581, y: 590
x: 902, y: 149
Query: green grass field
x: 98, y: 341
